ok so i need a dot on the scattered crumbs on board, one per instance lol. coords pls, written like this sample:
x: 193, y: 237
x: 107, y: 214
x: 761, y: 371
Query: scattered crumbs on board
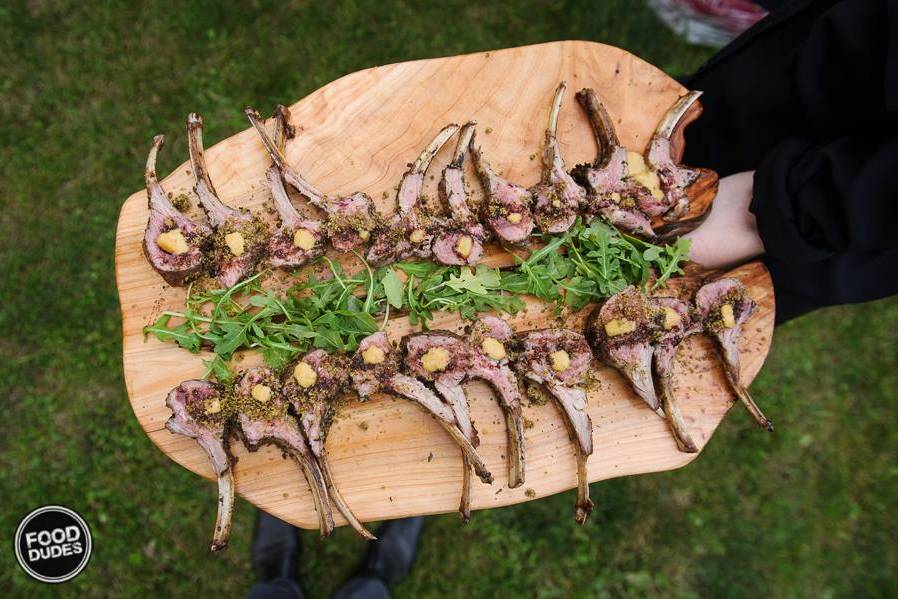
x: 530, y: 493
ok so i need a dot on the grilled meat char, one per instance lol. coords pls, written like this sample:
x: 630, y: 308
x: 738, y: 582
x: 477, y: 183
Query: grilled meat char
x: 557, y: 197
x: 621, y: 332
x: 442, y: 359
x: 507, y: 206
x: 239, y: 239
x: 724, y: 306
x: 350, y: 219
x: 461, y: 239
x: 298, y: 239
x: 679, y: 322
x: 611, y: 192
x: 375, y: 367
x: 263, y: 418
x: 173, y: 243
x: 199, y: 411
x: 559, y: 359
x: 312, y: 384
x: 673, y: 178
x: 409, y: 232
x: 489, y: 362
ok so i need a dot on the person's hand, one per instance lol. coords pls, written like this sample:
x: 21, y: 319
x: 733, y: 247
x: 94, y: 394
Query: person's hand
x: 729, y: 235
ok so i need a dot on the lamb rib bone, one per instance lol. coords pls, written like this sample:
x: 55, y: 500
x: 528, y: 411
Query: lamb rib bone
x: 299, y: 239
x: 198, y: 413
x: 674, y: 178
x: 263, y: 418
x: 559, y: 360
x: 442, y: 359
x: 236, y: 259
x: 724, y: 306
x: 557, y: 198
x: 495, y: 370
x: 678, y: 323
x: 507, y: 206
x: 312, y: 384
x: 461, y: 240
x: 375, y: 367
x: 409, y: 232
x: 350, y: 219
x: 621, y: 332
x: 180, y: 265
x: 610, y: 191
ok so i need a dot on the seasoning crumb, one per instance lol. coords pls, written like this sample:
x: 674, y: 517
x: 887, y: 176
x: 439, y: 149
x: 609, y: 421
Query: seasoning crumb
x: 530, y: 493
x: 488, y: 130
x: 430, y: 457
x: 528, y: 424
x: 363, y: 425
x: 532, y: 156
x: 181, y: 202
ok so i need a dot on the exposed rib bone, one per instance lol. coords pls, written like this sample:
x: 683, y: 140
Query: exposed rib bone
x: 537, y: 360
x: 710, y: 300
x: 176, y: 268
x: 409, y: 232
x: 194, y: 414
x: 557, y: 197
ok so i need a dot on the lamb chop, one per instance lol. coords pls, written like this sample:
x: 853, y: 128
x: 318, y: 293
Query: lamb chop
x: 375, y: 367
x: 350, y: 220
x: 442, y: 358
x: 409, y: 232
x: 172, y: 243
x: 678, y: 322
x: 557, y: 197
x: 611, y: 192
x: 621, y: 332
x: 724, y: 306
x: 312, y: 385
x: 559, y: 359
x: 199, y: 411
x: 673, y: 178
x: 489, y: 362
x: 239, y: 239
x: 263, y: 418
x: 461, y: 240
x: 507, y: 206
x: 298, y: 239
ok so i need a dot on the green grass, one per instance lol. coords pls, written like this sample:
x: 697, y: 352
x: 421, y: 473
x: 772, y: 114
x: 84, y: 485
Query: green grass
x: 807, y: 511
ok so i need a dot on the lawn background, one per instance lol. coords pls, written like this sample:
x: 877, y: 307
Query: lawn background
x: 807, y: 511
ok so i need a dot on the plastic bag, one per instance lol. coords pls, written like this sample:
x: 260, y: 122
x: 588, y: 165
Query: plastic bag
x: 708, y: 22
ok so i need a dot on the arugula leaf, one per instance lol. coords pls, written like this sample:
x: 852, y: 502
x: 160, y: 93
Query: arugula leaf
x: 393, y: 288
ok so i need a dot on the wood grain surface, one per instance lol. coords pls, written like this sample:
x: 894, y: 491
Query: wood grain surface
x: 390, y: 459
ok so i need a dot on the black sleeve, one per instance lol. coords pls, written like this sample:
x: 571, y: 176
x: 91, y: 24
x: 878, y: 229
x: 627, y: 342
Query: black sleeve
x: 808, y: 98
x: 816, y: 200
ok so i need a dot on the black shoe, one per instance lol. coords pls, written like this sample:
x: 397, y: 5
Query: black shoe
x: 388, y: 561
x: 275, y: 549
x: 390, y: 557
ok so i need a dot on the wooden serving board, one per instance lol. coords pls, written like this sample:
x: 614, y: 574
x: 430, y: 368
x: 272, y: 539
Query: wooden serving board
x: 390, y: 459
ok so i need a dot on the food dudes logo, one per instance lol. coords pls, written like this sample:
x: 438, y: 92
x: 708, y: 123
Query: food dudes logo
x: 53, y: 544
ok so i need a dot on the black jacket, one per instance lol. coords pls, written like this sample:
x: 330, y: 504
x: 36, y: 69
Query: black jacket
x: 809, y: 98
